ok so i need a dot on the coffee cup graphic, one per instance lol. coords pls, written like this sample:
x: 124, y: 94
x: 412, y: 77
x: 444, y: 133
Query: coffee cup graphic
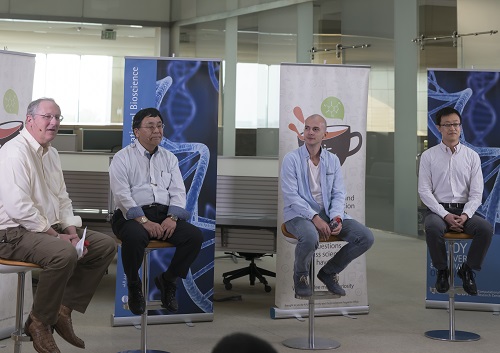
x: 338, y: 140
x: 8, y: 130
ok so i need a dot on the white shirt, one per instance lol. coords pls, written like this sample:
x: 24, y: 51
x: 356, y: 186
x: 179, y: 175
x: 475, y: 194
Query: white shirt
x: 450, y: 178
x: 315, y: 183
x: 137, y: 181
x: 32, y: 189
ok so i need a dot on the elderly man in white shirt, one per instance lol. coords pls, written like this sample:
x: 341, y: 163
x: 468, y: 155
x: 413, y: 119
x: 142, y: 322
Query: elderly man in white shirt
x: 451, y: 185
x: 150, y: 200
x: 37, y: 225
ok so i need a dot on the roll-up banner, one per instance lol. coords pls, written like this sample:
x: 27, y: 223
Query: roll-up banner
x: 476, y: 95
x: 17, y: 71
x: 186, y: 92
x: 339, y: 93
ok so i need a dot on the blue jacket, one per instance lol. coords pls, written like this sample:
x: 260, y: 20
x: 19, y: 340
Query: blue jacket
x: 297, y: 197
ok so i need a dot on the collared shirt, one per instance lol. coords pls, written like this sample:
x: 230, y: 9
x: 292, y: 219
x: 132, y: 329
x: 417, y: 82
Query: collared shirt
x: 32, y: 189
x: 297, y: 197
x: 448, y: 177
x: 137, y: 180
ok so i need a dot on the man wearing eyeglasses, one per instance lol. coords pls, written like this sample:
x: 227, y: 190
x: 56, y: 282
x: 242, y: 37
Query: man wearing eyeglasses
x: 150, y: 201
x: 450, y: 184
x: 37, y: 225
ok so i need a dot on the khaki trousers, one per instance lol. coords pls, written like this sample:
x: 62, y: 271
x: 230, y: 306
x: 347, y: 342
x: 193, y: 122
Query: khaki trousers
x: 63, y: 279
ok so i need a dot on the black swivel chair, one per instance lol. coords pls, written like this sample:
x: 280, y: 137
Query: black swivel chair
x: 253, y: 271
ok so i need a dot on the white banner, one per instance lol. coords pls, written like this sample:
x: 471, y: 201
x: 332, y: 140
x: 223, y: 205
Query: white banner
x: 339, y: 94
x: 16, y: 88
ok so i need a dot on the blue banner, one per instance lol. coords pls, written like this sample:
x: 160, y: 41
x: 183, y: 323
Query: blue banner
x: 186, y: 92
x: 476, y: 95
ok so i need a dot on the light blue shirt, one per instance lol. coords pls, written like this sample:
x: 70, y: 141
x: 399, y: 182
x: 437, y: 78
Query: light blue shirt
x: 137, y: 180
x: 297, y: 197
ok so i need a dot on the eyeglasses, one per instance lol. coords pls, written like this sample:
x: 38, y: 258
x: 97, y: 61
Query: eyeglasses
x: 449, y: 126
x: 153, y: 127
x: 49, y: 117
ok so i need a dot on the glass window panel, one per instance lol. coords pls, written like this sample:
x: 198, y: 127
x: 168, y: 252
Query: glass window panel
x: 251, y: 95
x: 63, y: 83
x: 95, y: 89
x: 81, y: 85
x: 40, y: 76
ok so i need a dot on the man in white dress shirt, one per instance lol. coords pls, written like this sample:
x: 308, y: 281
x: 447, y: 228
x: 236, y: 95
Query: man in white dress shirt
x: 450, y: 184
x: 37, y: 225
x: 150, y: 201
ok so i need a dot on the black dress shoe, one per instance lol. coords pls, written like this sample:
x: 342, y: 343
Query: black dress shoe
x: 136, y: 302
x: 167, y: 290
x: 442, y: 284
x: 467, y: 276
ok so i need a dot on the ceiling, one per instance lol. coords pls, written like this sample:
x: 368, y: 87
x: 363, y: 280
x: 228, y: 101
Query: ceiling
x: 73, y: 37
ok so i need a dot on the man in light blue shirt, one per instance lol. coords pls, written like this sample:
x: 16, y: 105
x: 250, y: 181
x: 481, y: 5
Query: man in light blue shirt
x: 314, y: 195
x: 150, y: 200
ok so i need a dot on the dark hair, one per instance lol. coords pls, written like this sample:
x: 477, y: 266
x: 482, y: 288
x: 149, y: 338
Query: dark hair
x: 445, y: 112
x: 145, y: 113
x: 243, y: 343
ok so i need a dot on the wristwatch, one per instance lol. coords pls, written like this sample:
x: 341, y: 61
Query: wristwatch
x: 173, y: 217
x: 143, y: 220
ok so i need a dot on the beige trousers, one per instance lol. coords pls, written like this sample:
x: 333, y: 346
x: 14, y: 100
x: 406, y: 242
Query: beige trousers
x: 63, y: 279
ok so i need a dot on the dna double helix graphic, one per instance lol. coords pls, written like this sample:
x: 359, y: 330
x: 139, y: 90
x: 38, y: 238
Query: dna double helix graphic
x: 479, y: 107
x: 193, y: 159
x: 479, y: 117
x: 180, y: 104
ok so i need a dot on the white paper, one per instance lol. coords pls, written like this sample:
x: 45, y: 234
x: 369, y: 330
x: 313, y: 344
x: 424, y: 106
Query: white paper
x: 80, y: 246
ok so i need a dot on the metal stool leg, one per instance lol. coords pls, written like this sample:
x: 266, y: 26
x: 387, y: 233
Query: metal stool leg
x: 451, y: 334
x: 144, y: 316
x: 17, y: 335
x: 311, y: 342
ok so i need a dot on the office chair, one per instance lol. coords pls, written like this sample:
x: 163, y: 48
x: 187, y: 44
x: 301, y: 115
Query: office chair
x: 252, y: 270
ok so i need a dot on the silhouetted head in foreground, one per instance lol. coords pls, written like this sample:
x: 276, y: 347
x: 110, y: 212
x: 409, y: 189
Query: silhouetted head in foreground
x: 243, y: 343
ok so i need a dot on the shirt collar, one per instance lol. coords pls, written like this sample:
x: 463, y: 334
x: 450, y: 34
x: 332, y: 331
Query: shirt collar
x: 446, y: 149
x: 32, y: 142
x: 143, y: 150
x: 304, y: 153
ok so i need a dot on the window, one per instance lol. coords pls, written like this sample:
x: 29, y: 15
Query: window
x: 80, y: 84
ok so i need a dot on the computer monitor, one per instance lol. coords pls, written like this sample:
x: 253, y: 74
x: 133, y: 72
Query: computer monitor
x: 105, y: 140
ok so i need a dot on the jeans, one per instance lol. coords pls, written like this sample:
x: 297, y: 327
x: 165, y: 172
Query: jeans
x: 359, y: 239
x: 478, y: 227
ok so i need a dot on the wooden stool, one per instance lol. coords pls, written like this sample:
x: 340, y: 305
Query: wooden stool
x: 21, y: 268
x: 452, y: 335
x: 150, y: 305
x: 311, y: 342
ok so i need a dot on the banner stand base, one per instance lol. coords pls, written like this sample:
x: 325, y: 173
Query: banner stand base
x: 277, y: 313
x: 162, y: 319
x: 441, y: 304
x: 459, y: 336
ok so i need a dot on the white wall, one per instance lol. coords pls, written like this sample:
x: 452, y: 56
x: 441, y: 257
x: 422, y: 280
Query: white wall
x: 478, y: 52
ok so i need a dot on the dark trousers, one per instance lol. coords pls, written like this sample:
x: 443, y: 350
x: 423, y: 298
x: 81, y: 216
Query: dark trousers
x: 186, y: 238
x: 478, y: 227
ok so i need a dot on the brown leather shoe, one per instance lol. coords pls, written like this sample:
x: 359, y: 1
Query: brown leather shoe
x: 64, y: 327
x: 41, y: 334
